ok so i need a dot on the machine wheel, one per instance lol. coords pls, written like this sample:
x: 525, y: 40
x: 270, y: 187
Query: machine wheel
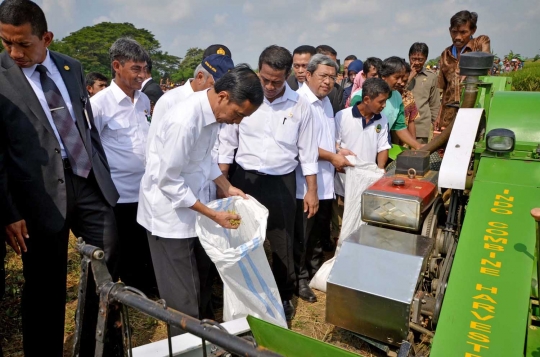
x: 436, y: 216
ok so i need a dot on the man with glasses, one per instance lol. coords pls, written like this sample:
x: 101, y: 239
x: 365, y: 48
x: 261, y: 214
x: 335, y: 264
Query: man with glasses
x: 310, y: 232
x: 423, y: 84
x: 301, y: 57
x: 271, y: 143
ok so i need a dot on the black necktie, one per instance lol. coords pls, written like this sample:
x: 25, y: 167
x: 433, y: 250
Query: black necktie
x: 73, y: 144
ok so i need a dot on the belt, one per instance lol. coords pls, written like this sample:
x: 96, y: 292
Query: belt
x: 67, y: 164
x: 256, y: 172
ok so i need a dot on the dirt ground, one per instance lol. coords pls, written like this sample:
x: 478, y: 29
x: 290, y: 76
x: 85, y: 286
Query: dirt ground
x: 309, y: 319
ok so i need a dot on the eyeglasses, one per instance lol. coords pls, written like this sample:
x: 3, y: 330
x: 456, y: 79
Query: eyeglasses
x: 324, y: 77
x: 417, y: 60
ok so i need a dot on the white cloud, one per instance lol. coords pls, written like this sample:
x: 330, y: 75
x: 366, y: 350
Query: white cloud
x: 220, y: 19
x: 101, y: 19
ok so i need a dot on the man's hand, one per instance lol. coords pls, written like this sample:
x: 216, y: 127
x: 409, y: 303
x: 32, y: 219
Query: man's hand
x: 16, y: 233
x: 226, y: 219
x: 346, y: 152
x: 233, y: 191
x: 340, y: 162
x: 311, y: 203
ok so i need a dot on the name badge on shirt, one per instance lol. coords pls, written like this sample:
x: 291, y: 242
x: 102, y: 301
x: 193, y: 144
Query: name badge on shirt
x: 378, y: 128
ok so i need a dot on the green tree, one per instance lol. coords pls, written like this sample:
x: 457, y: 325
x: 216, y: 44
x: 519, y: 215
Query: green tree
x: 91, y: 44
x: 190, y: 61
x: 433, y: 62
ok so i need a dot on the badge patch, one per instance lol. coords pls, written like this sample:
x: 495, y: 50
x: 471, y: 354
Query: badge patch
x: 378, y: 128
x: 66, y: 68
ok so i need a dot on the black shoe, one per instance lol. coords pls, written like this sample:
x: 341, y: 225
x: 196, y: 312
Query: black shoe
x: 305, y: 292
x: 328, y: 245
x: 289, y: 309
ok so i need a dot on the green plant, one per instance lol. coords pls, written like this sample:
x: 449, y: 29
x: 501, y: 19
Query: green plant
x: 527, y: 79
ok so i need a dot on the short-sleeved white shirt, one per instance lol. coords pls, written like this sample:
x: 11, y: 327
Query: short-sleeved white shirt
x: 364, y: 140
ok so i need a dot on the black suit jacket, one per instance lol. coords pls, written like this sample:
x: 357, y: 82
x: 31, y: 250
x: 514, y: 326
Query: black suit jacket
x: 293, y: 83
x: 152, y: 90
x: 32, y: 182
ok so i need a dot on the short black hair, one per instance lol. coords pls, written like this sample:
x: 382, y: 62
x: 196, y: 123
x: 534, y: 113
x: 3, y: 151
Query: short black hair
x: 373, y: 87
x: 21, y: 12
x: 350, y: 58
x: 242, y: 84
x: 392, y: 65
x: 462, y: 17
x: 149, y: 64
x: 92, y: 77
x: 372, y: 62
x: 407, y: 67
x: 127, y: 49
x: 325, y: 50
x: 419, y: 47
x: 300, y: 50
x: 277, y: 57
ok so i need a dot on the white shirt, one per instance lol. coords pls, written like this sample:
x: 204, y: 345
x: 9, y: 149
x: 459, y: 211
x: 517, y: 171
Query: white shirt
x: 179, y: 161
x: 123, y: 128
x: 52, y: 71
x: 273, y: 138
x: 166, y: 102
x: 364, y: 141
x: 323, y: 120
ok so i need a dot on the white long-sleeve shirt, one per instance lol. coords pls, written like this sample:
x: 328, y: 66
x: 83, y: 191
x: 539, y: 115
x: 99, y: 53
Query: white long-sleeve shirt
x: 323, y: 120
x: 179, y: 162
x: 123, y: 128
x: 274, y: 138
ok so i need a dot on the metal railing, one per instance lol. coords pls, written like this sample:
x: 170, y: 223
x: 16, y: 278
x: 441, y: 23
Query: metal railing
x: 117, y: 293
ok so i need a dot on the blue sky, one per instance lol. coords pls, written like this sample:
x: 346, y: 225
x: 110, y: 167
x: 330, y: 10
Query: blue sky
x: 380, y: 28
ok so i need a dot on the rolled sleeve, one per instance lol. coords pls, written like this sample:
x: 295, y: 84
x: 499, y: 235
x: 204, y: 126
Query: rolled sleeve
x: 228, y: 142
x: 215, y: 172
x: 178, y: 139
x: 308, y: 148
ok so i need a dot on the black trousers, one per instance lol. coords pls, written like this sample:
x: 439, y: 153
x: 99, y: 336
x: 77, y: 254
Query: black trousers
x: 2, y: 273
x: 45, y: 269
x: 308, y: 233
x: 134, y: 260
x: 277, y: 194
x: 182, y: 272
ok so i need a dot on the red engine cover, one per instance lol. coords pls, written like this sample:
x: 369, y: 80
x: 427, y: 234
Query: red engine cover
x: 425, y: 190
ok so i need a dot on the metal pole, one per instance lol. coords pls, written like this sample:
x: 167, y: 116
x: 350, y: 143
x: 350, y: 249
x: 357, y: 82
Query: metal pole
x: 111, y: 292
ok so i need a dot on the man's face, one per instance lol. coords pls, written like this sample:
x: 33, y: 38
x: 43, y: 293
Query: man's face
x: 372, y: 73
x: 300, y: 62
x: 346, y: 67
x: 201, y: 83
x: 230, y: 112
x: 96, y: 87
x: 395, y: 80
x: 272, y: 81
x: 322, y: 80
x: 130, y: 75
x: 25, y: 48
x: 377, y: 104
x: 417, y: 61
x: 461, y: 35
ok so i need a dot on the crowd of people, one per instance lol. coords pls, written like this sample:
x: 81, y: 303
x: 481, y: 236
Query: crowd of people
x: 128, y: 167
x: 506, y: 66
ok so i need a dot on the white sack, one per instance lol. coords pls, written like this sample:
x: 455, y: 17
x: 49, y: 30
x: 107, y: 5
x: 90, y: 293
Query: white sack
x: 249, y: 287
x: 357, y: 179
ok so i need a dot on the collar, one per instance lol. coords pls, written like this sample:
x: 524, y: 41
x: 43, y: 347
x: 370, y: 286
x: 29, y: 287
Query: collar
x: 47, y: 62
x: 450, y: 49
x: 119, y: 94
x: 289, y: 94
x: 146, y: 81
x: 356, y: 114
x: 186, y: 88
x: 208, y: 114
x: 311, y: 97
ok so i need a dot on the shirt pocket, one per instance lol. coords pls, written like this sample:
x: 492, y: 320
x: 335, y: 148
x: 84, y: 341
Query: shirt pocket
x: 118, y: 131
x: 287, y: 132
